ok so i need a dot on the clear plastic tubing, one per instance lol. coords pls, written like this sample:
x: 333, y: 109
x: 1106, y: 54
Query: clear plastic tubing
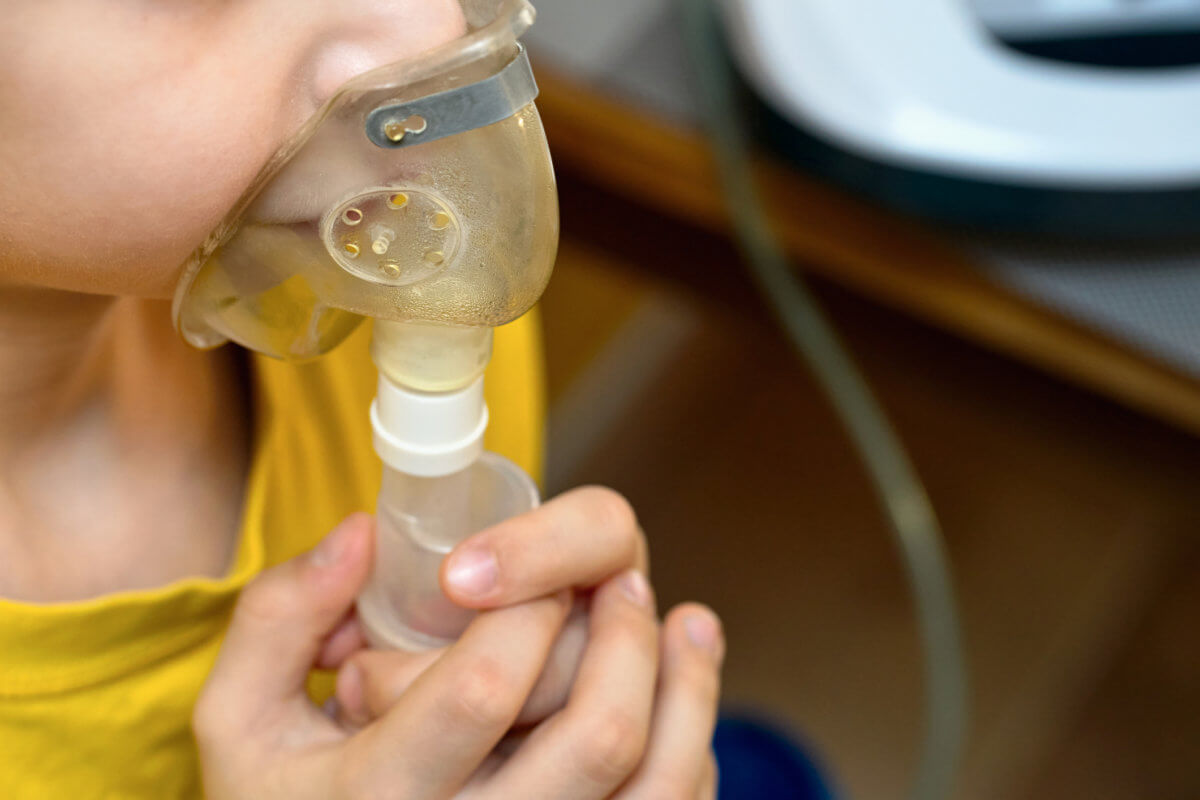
x: 439, y: 486
x: 420, y: 520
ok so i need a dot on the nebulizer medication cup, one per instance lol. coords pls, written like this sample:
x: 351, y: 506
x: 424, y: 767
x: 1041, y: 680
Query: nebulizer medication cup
x: 421, y: 195
x: 439, y: 487
x: 419, y: 520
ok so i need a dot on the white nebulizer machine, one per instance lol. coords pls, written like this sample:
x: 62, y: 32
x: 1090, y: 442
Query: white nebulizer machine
x: 420, y: 195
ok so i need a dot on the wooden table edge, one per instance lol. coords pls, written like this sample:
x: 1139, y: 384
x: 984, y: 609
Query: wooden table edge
x: 897, y: 262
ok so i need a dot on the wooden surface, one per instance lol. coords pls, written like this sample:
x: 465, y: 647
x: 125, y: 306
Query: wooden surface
x: 1070, y: 521
x: 891, y: 260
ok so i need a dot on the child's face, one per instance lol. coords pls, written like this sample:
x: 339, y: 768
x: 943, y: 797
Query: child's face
x: 128, y: 128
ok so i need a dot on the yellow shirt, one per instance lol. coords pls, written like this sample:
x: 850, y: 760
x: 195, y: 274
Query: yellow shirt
x: 95, y: 697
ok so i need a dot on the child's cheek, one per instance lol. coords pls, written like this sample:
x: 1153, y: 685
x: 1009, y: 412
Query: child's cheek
x: 112, y: 196
x: 121, y: 152
x: 113, y: 167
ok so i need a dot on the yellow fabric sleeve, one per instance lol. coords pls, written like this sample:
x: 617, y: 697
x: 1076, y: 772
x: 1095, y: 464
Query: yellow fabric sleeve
x: 96, y: 697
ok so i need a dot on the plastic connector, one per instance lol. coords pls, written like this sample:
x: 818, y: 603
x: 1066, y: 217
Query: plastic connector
x: 428, y: 434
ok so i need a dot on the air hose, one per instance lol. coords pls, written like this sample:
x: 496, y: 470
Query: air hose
x: 904, y: 500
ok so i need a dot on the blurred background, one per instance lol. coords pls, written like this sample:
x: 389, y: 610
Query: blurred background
x: 995, y: 202
x: 994, y: 199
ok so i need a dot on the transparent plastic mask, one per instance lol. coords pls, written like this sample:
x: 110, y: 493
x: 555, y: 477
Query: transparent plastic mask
x: 406, y: 226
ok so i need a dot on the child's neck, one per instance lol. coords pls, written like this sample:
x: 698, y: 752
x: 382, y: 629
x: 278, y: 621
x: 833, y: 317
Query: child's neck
x: 122, y: 450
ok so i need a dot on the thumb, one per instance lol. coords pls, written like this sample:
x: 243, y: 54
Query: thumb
x: 283, y: 617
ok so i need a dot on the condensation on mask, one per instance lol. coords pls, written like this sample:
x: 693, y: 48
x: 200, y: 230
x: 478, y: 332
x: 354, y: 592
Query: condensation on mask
x: 383, y: 206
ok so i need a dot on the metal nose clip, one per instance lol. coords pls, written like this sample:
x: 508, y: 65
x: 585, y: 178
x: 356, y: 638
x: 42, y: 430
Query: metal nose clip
x: 436, y: 116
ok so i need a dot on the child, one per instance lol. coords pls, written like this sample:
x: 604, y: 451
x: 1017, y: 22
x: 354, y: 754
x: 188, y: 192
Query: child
x: 161, y: 507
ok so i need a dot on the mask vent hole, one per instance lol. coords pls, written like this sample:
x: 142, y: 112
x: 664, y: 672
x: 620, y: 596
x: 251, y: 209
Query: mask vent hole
x: 397, y: 129
x: 392, y: 236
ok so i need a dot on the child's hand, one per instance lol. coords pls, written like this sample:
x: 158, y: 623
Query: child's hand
x: 260, y: 738
x: 578, y: 540
x: 574, y: 541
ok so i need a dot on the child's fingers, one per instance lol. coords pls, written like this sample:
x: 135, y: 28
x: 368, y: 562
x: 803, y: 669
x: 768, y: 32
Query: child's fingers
x: 442, y: 728
x: 679, y: 757
x: 578, y: 539
x: 372, y: 681
x: 593, y: 745
x: 280, y: 623
x: 347, y: 638
x: 708, y: 784
x: 554, y: 684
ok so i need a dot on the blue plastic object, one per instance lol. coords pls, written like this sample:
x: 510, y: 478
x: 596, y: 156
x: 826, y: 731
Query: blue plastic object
x: 757, y: 761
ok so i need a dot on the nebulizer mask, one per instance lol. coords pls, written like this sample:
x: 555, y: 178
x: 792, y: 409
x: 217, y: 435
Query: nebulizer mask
x: 420, y: 195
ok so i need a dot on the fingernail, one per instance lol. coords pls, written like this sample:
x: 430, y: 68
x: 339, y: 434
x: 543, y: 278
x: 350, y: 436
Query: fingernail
x: 333, y: 547
x: 349, y: 693
x: 636, y: 588
x: 473, y: 572
x: 704, y: 631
